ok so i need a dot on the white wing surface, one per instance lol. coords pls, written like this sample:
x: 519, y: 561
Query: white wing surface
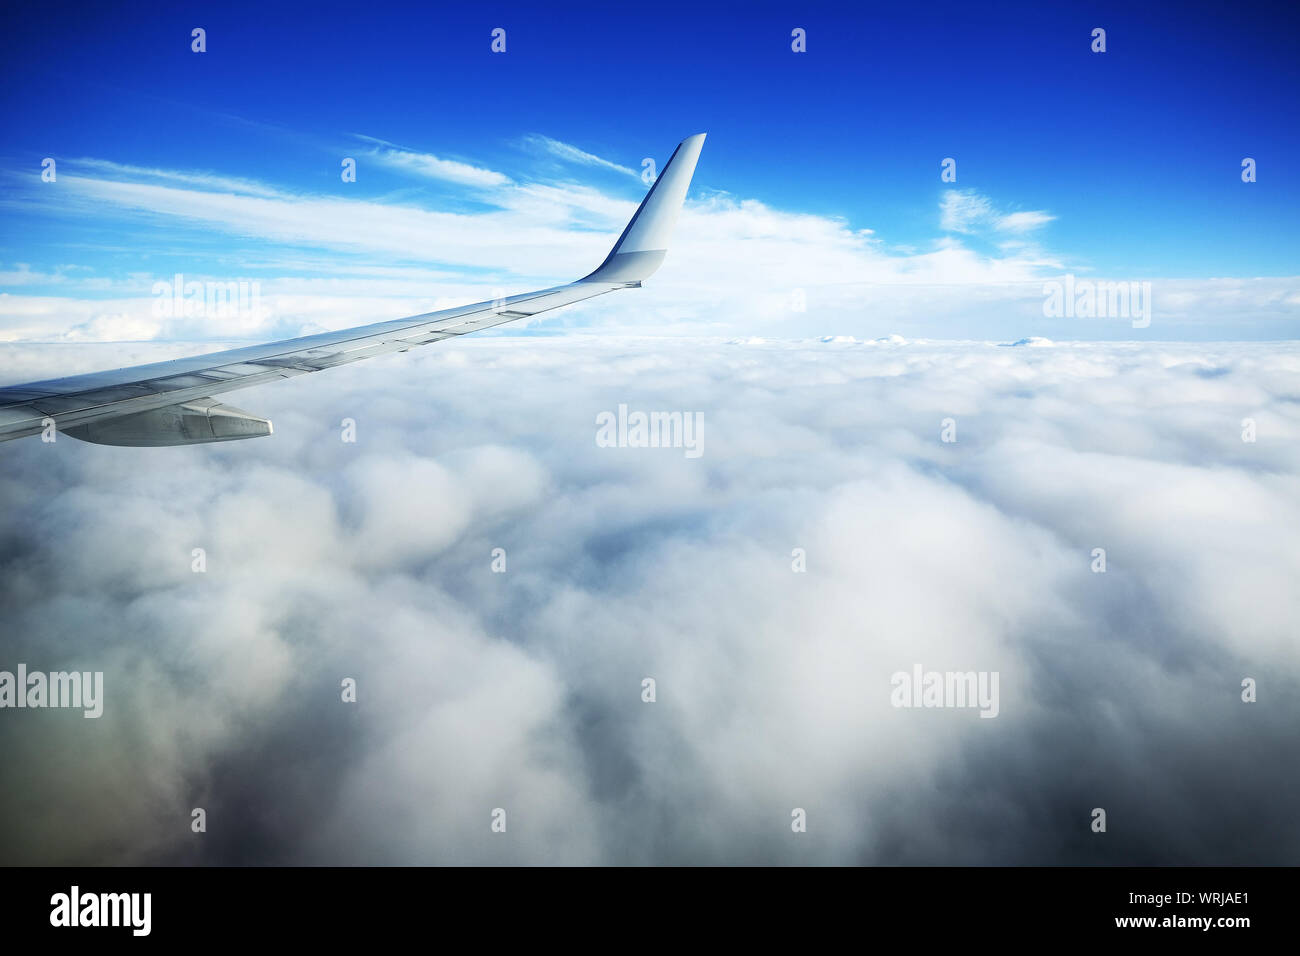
x: 172, y: 403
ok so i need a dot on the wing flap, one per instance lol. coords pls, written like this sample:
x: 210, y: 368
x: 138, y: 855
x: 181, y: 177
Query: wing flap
x: 192, y: 423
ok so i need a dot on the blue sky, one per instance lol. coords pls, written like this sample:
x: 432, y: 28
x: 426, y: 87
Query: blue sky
x: 1132, y: 157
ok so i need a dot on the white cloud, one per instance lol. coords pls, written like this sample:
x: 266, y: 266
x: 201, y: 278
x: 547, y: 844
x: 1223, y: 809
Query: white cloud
x: 961, y: 209
x: 967, y: 211
x: 434, y: 167
x: 522, y: 690
x: 573, y: 154
x: 1023, y: 221
x: 206, y: 180
x: 737, y: 267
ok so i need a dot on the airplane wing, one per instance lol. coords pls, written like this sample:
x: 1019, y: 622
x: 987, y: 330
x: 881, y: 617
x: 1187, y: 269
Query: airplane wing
x: 171, y: 403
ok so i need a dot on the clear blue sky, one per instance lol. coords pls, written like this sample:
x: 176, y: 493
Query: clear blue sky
x: 1136, y: 153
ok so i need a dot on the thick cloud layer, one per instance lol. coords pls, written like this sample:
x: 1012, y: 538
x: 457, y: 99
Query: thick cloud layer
x: 522, y: 690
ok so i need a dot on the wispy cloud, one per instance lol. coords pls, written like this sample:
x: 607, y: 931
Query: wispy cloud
x: 1024, y: 221
x: 198, y: 178
x: 967, y: 211
x: 737, y: 266
x: 573, y: 154
x: 434, y: 167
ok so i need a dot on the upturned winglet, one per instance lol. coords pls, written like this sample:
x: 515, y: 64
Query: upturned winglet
x: 644, y: 243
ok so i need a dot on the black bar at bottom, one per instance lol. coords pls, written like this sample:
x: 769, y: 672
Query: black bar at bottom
x: 303, y: 905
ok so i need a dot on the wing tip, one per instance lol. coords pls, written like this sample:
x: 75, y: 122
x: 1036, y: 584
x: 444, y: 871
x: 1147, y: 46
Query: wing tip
x: 641, y: 248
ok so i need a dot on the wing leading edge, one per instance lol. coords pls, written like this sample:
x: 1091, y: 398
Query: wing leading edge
x: 171, y: 403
